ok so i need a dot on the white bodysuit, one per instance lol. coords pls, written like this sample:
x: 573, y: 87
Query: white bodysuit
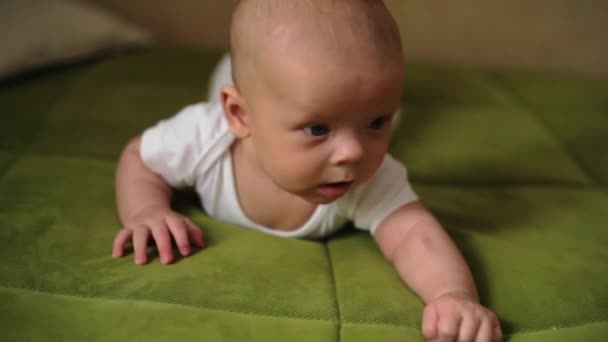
x: 193, y: 149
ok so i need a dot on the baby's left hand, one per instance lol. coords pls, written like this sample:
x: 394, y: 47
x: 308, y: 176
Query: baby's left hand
x: 457, y: 317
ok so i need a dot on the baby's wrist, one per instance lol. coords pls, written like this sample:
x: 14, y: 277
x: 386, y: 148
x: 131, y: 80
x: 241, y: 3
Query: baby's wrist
x: 135, y: 216
x: 462, y: 294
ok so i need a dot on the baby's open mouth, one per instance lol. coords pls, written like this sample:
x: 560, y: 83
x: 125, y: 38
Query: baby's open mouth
x: 335, y: 190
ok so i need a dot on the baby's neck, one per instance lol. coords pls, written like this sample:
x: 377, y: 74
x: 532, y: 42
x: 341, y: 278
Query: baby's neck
x: 261, y: 199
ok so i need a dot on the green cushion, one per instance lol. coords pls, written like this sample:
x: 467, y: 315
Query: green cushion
x: 512, y: 163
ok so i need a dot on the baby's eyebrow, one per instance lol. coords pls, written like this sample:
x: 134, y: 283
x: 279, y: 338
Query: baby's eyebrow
x: 307, y: 113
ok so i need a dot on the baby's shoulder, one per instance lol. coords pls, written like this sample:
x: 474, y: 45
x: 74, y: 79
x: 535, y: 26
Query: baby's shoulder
x: 201, y: 112
x: 204, y: 118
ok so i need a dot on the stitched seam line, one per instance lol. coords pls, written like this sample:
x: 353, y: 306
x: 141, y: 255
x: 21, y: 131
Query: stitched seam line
x: 246, y: 313
x: 335, y: 288
x: 18, y: 153
x: 117, y: 299
x: 530, y: 332
x: 519, y: 333
x: 13, y: 159
x: 520, y: 103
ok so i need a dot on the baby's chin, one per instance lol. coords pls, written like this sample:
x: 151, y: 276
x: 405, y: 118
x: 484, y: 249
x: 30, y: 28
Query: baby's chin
x: 320, y: 200
x: 318, y: 196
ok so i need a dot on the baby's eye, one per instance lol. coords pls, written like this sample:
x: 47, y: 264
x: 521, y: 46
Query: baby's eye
x: 317, y: 130
x: 379, y: 122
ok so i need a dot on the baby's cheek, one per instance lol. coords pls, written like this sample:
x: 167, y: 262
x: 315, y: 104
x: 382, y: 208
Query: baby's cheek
x: 370, y: 166
x: 293, y: 168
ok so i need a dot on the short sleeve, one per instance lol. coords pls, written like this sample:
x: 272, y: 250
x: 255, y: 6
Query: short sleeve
x: 174, y: 148
x: 388, y: 190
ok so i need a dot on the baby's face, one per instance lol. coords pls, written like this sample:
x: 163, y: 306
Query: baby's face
x: 318, y: 129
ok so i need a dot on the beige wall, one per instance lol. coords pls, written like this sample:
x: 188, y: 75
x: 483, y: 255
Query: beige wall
x: 563, y: 35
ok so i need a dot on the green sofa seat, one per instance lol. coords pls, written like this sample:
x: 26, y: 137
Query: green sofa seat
x: 514, y: 164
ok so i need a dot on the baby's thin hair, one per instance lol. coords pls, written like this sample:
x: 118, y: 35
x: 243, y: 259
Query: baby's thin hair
x: 340, y: 27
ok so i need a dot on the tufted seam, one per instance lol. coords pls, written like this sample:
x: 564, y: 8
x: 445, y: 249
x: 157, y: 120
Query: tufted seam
x: 40, y: 124
x: 517, y: 100
x: 139, y: 300
x: 332, y: 276
x: 519, y: 333
x: 5, y: 168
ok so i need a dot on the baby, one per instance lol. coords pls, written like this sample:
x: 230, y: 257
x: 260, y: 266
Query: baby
x: 297, y: 146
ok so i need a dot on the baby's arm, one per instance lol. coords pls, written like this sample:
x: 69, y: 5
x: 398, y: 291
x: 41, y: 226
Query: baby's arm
x: 430, y: 264
x: 143, y: 200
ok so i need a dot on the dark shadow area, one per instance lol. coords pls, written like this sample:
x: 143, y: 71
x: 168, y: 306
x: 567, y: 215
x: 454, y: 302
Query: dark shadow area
x: 482, y: 281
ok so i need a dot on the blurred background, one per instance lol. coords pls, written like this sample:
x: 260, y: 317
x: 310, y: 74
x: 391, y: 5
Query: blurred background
x: 566, y: 36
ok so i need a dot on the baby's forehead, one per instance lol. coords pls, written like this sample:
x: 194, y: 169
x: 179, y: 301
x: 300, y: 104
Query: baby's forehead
x: 326, y: 86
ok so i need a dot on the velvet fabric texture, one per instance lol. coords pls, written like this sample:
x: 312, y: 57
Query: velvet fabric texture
x: 513, y: 164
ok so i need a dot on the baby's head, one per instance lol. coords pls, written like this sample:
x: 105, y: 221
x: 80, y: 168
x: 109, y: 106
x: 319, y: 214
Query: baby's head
x: 316, y: 86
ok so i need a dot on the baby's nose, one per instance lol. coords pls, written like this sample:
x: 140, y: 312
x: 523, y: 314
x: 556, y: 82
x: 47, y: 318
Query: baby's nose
x: 349, y: 151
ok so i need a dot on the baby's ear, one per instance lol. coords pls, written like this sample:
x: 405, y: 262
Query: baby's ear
x: 234, y: 111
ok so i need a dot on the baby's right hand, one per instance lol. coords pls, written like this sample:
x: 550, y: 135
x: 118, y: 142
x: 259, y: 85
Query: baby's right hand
x: 162, y: 224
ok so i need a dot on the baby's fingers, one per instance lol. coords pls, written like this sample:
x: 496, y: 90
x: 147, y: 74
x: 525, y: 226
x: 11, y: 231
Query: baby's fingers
x: 489, y: 330
x: 440, y: 328
x: 140, y: 244
x: 469, y: 328
x: 161, y: 236
x: 497, y: 330
x: 120, y: 241
x: 195, y: 234
x: 498, y: 334
x: 485, y: 332
x: 448, y: 328
x: 179, y: 230
x: 429, y: 323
